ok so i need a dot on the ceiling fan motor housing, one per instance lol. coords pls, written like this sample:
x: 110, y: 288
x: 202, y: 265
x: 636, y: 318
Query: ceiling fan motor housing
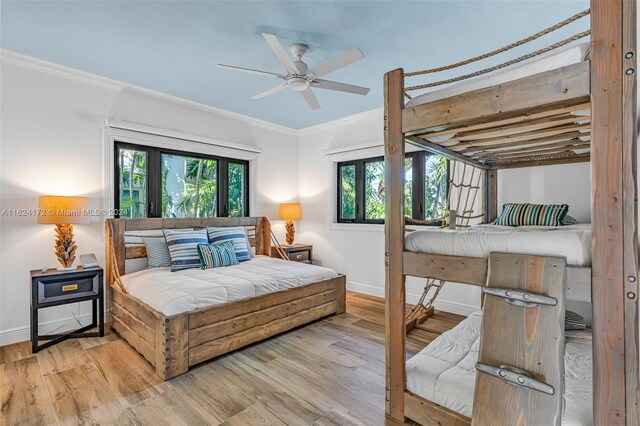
x: 298, y: 83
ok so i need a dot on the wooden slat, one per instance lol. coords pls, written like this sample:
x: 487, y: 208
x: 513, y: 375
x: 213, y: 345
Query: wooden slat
x: 221, y: 346
x: 395, y: 292
x: 613, y: 207
x: 580, y: 144
x: 461, y: 269
x: 531, y: 339
x: 533, y: 154
x: 234, y: 325
x: 229, y: 310
x: 541, y: 124
x: 135, y: 252
x: 565, y: 86
x: 583, y: 158
x: 428, y: 413
x: 146, y: 314
x: 141, y: 329
x: 437, y: 149
x: 170, y: 223
x: 138, y: 343
x: 630, y: 213
x: 490, y: 196
x: 525, y: 136
x: 117, y: 228
x: 525, y: 116
x: 561, y: 138
x: 172, y: 346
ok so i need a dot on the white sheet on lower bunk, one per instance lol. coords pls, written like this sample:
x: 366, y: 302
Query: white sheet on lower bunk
x: 572, y: 241
x: 560, y: 58
x: 444, y: 372
x: 177, y: 292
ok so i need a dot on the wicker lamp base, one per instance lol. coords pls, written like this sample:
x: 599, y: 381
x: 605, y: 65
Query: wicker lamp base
x: 291, y: 232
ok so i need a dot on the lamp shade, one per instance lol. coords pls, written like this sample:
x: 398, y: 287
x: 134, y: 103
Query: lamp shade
x: 62, y: 210
x: 290, y: 211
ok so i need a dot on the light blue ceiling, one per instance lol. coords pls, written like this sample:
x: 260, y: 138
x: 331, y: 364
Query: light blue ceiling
x: 174, y: 46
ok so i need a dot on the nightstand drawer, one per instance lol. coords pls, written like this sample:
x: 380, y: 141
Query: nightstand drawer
x: 52, y: 290
x: 299, y: 256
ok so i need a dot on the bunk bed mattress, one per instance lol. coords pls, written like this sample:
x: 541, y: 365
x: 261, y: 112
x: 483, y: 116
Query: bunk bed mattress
x: 444, y: 372
x: 561, y: 58
x: 177, y: 292
x: 572, y: 241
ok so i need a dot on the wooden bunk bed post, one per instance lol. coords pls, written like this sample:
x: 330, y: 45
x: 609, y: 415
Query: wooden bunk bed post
x: 394, y: 244
x: 490, y: 201
x: 614, y: 212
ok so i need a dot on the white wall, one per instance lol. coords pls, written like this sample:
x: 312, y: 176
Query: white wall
x: 358, y: 250
x: 51, y: 142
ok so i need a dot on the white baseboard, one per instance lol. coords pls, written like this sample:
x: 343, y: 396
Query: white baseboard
x: 20, y: 334
x: 440, y: 304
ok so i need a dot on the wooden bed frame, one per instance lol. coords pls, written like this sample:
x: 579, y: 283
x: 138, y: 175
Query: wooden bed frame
x: 538, y: 108
x: 174, y: 343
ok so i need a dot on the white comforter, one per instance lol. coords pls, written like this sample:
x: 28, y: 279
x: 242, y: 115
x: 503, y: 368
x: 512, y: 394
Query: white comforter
x: 177, y: 292
x: 572, y: 241
x: 444, y: 372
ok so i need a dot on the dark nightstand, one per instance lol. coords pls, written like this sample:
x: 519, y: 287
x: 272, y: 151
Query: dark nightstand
x: 297, y: 252
x: 54, y: 288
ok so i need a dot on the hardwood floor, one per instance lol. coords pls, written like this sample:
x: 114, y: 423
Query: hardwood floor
x: 330, y: 372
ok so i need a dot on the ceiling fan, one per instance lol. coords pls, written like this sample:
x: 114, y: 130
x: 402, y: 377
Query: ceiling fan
x: 300, y: 77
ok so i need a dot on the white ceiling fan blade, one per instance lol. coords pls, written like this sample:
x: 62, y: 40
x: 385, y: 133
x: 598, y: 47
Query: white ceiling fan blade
x: 308, y: 96
x: 270, y: 91
x: 280, y: 53
x: 336, y: 63
x: 250, y: 71
x: 340, y: 87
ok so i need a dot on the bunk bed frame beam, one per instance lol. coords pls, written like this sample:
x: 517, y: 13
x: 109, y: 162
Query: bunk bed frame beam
x: 608, y: 83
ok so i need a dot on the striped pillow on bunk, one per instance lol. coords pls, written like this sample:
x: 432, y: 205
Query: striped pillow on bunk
x: 520, y: 214
x: 217, y: 255
x: 183, y: 248
x: 237, y: 234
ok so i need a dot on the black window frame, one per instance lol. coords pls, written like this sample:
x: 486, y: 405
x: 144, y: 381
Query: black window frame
x: 154, y: 178
x: 417, y: 188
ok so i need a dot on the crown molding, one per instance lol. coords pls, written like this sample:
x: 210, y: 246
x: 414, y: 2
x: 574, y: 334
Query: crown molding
x: 342, y: 122
x: 29, y: 62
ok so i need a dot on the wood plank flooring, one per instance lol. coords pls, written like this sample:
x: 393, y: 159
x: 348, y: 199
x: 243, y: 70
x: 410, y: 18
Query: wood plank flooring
x: 328, y: 373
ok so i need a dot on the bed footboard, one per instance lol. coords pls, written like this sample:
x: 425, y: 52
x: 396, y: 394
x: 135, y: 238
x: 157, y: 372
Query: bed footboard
x: 172, y: 344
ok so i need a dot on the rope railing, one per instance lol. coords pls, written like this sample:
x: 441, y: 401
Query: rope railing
x: 503, y: 49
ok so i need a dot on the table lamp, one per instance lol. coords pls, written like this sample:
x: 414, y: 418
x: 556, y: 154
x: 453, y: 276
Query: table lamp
x: 63, y: 212
x: 290, y: 212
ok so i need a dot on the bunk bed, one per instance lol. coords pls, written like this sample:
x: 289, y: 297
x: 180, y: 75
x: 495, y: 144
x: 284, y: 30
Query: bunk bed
x: 176, y: 320
x: 575, y: 106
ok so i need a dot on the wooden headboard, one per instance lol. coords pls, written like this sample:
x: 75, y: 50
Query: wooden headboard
x: 258, y: 231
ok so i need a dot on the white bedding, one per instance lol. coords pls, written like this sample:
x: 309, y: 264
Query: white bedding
x: 176, y: 292
x: 572, y: 241
x: 444, y: 372
x: 561, y: 58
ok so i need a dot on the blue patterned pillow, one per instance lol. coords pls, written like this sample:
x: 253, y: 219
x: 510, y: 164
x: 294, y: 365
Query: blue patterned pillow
x: 237, y: 234
x: 183, y: 248
x: 217, y: 255
x: 157, y: 252
x: 521, y: 214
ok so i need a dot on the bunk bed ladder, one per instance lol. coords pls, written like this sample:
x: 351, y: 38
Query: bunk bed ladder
x: 520, y: 365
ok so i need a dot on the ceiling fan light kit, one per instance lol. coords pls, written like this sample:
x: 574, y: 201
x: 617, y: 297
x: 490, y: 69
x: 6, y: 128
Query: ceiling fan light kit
x: 300, y: 77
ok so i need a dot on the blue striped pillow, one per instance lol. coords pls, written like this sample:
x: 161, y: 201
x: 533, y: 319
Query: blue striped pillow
x: 519, y: 214
x: 157, y: 252
x: 237, y: 234
x: 217, y: 255
x: 183, y: 248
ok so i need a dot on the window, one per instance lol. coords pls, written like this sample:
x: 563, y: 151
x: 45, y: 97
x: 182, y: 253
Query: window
x: 361, y: 188
x: 155, y: 182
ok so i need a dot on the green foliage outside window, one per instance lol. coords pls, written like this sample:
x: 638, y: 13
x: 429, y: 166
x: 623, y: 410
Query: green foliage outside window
x: 236, y: 189
x: 133, y: 179
x: 374, y: 190
x: 436, y: 187
x: 348, y: 192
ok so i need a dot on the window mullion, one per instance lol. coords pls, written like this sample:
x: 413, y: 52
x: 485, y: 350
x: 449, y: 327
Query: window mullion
x: 360, y: 192
x: 418, y: 195
x: 223, y: 188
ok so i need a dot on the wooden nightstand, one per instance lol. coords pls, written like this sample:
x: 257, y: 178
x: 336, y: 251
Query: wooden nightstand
x: 54, y: 288
x: 297, y: 252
